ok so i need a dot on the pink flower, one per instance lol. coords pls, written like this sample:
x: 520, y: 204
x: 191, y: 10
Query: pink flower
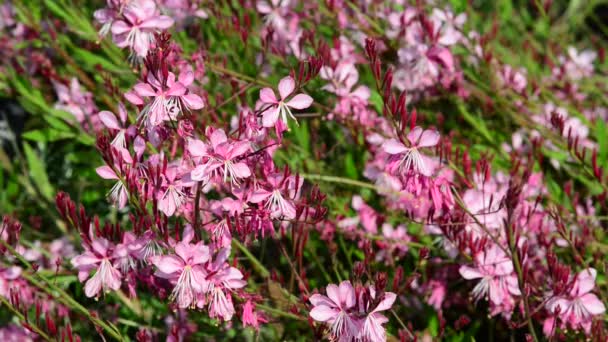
x: 172, y: 197
x: 98, y: 256
x: 578, y: 306
x: 221, y: 279
x: 140, y: 21
x: 275, y: 11
x: 273, y: 196
x: 78, y: 102
x: 111, y: 122
x: 185, y: 270
x: 498, y: 281
x: 410, y: 158
x: 372, y: 323
x: 335, y: 309
x: 278, y: 107
x: 7, y: 276
x: 251, y: 317
x: 169, y: 97
x: 118, y: 195
x: 222, y: 158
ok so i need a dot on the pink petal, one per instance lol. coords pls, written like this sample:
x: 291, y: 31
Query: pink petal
x: 108, y: 119
x: 263, y: 7
x: 593, y: 304
x: 239, y: 148
x: 241, y: 170
x: 141, y: 44
x: 393, y: 146
x: 218, y: 137
x: 184, y: 250
x: 162, y: 22
x: 318, y: 300
x: 120, y: 27
x: 270, y: 117
x: 469, y: 273
x: 106, y: 172
x: 585, y: 281
x: 200, y: 254
x: 323, y: 313
x: 333, y: 293
x: 347, y: 294
x: 259, y: 195
x: 197, y: 148
x: 300, y: 101
x: 93, y: 286
x: 135, y: 99
x: 84, y: 260
x: 428, y: 138
x: 289, y: 211
x: 193, y: 101
x: 387, y: 302
x: 177, y: 89
x: 199, y: 173
x: 186, y: 78
x: 286, y: 87
x: 144, y: 89
x: 167, y: 205
x: 267, y: 96
x: 414, y: 135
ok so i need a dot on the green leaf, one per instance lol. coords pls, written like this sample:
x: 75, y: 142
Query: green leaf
x: 47, y: 135
x: 477, y: 122
x: 433, y: 325
x: 350, y: 166
x: 601, y: 131
x: 38, y: 173
x: 377, y: 101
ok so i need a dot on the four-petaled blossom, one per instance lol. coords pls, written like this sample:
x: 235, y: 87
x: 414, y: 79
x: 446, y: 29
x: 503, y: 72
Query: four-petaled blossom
x: 98, y: 257
x: 185, y: 270
x: 498, y: 281
x: 372, y: 324
x: 276, y: 202
x: 410, y: 158
x: 577, y: 307
x: 139, y: 23
x: 222, y: 158
x: 221, y: 279
x: 278, y: 107
x: 336, y: 309
x: 111, y: 122
x: 169, y: 97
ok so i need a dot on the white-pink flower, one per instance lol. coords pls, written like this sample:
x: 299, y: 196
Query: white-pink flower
x: 222, y: 158
x: 140, y: 21
x: 278, y: 108
x: 497, y: 279
x: 336, y: 310
x: 578, y: 306
x: 98, y: 257
x: 185, y: 270
x: 410, y: 158
x: 372, y: 329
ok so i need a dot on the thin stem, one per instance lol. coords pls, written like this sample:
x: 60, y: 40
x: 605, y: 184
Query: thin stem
x: 257, y: 265
x: 280, y: 313
x: 53, y: 290
x: 339, y: 180
x: 21, y: 317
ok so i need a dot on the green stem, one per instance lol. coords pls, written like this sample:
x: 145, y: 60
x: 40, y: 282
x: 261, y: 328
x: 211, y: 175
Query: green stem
x: 54, y: 291
x: 279, y: 313
x: 257, y: 265
x: 339, y: 180
x: 21, y: 317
